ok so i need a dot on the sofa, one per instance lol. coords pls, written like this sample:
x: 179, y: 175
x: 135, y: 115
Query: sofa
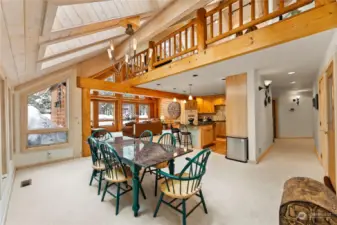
x: 156, y: 127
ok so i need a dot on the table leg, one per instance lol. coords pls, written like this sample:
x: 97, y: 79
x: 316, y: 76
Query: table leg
x: 171, y: 166
x: 135, y: 190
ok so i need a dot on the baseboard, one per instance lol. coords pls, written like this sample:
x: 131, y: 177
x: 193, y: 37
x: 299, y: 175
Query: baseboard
x: 318, y: 156
x: 45, y: 163
x: 8, y: 198
x: 264, y: 153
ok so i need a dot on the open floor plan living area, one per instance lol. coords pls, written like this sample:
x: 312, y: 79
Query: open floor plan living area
x: 170, y: 112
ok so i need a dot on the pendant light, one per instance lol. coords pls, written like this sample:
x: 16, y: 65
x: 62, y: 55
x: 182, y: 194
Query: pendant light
x: 190, y: 97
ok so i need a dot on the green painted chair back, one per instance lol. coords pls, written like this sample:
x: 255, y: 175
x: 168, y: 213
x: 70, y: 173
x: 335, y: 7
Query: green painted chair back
x: 167, y: 139
x: 102, y: 135
x: 146, y: 136
x: 95, y: 156
x: 113, y: 164
x: 191, y: 174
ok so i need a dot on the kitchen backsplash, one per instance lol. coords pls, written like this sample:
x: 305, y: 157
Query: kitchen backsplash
x: 220, y: 113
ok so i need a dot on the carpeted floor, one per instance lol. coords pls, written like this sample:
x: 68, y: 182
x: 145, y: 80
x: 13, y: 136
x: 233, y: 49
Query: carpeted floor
x: 235, y: 193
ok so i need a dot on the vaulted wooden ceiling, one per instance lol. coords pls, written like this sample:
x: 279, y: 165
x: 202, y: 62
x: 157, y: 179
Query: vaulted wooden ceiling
x: 42, y: 36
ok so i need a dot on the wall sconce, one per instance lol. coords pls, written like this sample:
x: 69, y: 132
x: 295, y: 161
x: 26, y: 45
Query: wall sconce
x: 266, y: 89
x: 297, y: 99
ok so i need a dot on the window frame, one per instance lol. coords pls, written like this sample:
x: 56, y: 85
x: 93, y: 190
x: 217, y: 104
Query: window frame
x: 149, y: 111
x: 106, y: 120
x: 24, y: 120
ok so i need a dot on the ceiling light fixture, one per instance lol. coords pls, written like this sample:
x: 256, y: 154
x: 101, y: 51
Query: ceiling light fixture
x: 290, y: 73
x: 195, y: 75
x: 129, y: 58
x: 174, y: 99
x: 190, y: 97
x: 293, y: 82
x: 184, y: 101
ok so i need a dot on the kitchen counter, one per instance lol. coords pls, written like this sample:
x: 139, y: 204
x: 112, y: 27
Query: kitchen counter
x: 203, y: 134
x: 201, y: 124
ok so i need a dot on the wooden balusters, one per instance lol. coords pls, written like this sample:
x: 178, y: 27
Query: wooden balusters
x: 240, y: 12
x: 281, y: 4
x: 192, y: 35
x: 265, y: 7
x: 220, y: 21
x: 153, y: 57
x: 211, y: 26
x: 230, y: 23
x: 252, y: 10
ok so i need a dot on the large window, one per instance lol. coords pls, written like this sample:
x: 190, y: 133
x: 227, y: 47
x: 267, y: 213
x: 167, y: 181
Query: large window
x: 47, y: 122
x: 106, y: 116
x: 108, y: 93
x: 129, y: 113
x: 144, y: 111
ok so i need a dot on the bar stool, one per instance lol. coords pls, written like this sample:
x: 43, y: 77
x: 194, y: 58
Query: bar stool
x: 186, y: 136
x: 176, y: 133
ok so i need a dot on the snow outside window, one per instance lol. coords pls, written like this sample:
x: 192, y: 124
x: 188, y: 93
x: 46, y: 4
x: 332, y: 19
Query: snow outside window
x: 106, y: 116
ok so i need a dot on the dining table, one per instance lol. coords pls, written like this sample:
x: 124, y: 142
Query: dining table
x: 138, y: 154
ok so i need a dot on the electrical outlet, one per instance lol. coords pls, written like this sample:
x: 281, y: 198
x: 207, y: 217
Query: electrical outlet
x: 48, y: 154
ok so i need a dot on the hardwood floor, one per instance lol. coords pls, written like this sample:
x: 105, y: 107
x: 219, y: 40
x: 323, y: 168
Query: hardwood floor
x: 220, y: 146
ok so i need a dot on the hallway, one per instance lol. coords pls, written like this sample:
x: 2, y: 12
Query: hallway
x: 235, y: 193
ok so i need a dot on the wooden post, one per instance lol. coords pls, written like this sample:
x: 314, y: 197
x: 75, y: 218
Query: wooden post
x: 265, y: 7
x: 137, y: 110
x: 201, y: 29
x: 95, y: 111
x: 86, y: 127
x: 240, y: 12
x: 253, y: 9
x: 119, y: 103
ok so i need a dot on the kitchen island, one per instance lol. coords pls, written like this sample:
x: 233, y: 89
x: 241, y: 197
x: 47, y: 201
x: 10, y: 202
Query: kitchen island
x: 203, y: 134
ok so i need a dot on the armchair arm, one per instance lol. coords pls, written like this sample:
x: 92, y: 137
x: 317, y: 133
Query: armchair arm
x: 174, y: 177
x: 189, y: 159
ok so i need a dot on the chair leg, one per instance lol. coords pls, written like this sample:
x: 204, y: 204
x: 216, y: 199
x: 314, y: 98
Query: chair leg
x: 158, y: 204
x: 184, y: 211
x: 118, y: 195
x: 179, y: 139
x: 141, y: 180
x: 105, y: 190
x: 92, y: 176
x: 156, y: 183
x: 203, y: 202
x: 100, y: 181
x: 142, y: 190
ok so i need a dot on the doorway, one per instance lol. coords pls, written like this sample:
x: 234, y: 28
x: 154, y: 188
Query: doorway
x: 331, y: 126
x: 275, y: 119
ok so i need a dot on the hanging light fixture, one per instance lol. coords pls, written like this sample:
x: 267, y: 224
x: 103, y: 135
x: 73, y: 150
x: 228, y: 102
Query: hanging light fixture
x: 184, y: 101
x: 190, y: 97
x: 174, y: 99
x: 129, y: 58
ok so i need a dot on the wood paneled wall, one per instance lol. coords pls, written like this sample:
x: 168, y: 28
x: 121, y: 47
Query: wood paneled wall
x: 236, y: 106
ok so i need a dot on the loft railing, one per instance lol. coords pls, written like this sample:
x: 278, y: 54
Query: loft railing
x: 229, y: 20
x: 177, y: 44
x: 243, y: 16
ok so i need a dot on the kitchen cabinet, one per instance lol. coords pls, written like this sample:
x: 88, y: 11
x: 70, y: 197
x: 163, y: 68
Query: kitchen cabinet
x: 219, y: 100
x: 220, y: 129
x: 191, y: 105
x: 206, y: 135
x: 205, y: 105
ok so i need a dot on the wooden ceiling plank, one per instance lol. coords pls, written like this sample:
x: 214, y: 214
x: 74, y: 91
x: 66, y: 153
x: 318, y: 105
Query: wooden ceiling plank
x: 50, y: 16
x: 122, y: 88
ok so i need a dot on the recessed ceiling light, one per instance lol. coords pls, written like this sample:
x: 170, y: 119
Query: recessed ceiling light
x: 195, y: 75
x: 293, y: 82
x: 158, y: 84
x: 290, y: 73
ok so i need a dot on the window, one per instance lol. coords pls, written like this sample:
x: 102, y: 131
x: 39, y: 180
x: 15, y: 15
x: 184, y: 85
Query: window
x: 47, y: 122
x: 129, y: 113
x: 126, y: 95
x: 144, y: 111
x: 106, y: 116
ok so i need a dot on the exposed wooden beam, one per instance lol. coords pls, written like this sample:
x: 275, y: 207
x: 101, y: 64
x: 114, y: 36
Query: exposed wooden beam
x: 88, y: 83
x: 173, y: 13
x: 86, y: 127
x: 308, y: 23
x: 75, y: 32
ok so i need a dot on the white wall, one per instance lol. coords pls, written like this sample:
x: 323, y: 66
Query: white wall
x: 260, y: 118
x: 297, y: 123
x: 264, y: 120
x: 74, y: 148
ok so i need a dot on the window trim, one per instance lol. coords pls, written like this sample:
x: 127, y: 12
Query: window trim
x: 24, y: 120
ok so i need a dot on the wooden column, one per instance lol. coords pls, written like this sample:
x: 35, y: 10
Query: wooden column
x: 137, y: 109
x: 95, y: 111
x: 153, y: 57
x: 119, y: 102
x: 201, y: 29
x: 86, y: 128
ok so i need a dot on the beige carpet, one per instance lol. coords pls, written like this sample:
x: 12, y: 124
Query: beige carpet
x: 235, y: 193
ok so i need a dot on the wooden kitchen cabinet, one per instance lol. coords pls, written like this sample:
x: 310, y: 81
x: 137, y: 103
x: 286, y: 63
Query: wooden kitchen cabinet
x: 206, y: 135
x: 191, y: 105
x: 205, y: 105
x: 219, y: 100
x: 220, y: 129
